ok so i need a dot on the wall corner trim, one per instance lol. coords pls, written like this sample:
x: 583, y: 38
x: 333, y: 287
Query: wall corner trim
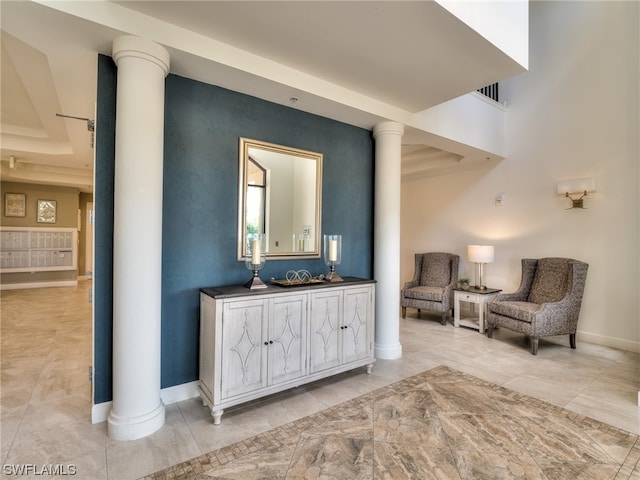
x: 169, y: 395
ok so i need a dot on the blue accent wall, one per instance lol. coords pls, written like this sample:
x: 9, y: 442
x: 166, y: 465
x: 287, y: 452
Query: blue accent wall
x: 202, y: 126
x: 103, y: 229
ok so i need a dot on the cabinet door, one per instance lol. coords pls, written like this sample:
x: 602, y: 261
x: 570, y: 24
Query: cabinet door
x: 287, y: 338
x: 244, y: 366
x: 325, y: 333
x: 357, y: 324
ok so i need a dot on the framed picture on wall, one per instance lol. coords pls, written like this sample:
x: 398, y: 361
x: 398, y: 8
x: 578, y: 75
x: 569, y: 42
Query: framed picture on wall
x: 46, y: 211
x: 14, y: 204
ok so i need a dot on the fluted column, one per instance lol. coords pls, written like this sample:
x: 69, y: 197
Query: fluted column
x: 388, y: 137
x: 137, y: 409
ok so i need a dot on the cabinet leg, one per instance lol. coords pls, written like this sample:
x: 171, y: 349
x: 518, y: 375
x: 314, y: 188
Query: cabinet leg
x: 369, y: 368
x: 217, y: 416
x: 204, y: 402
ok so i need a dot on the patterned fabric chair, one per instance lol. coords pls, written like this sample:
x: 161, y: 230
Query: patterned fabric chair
x: 547, y: 302
x: 435, y: 277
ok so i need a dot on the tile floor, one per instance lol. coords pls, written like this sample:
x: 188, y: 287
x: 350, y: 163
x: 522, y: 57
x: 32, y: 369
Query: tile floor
x: 439, y: 424
x: 46, y: 404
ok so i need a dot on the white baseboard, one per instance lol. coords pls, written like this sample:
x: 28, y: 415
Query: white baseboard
x: 613, y: 342
x: 169, y: 395
x: 179, y: 393
x: 19, y: 286
x: 100, y: 412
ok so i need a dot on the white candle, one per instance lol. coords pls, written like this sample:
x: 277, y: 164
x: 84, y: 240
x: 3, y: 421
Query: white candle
x: 255, y: 252
x: 333, y: 250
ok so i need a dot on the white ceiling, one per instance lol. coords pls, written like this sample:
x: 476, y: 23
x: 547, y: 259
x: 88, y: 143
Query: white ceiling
x: 352, y: 61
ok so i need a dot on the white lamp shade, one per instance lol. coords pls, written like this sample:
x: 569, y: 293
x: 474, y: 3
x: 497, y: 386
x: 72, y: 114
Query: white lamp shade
x: 480, y: 253
x: 578, y: 185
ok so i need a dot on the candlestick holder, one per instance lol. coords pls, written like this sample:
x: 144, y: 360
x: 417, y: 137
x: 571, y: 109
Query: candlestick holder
x: 333, y: 256
x: 255, y: 259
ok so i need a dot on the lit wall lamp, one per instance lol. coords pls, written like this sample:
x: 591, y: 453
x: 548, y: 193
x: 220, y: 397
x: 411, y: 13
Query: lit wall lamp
x: 580, y: 186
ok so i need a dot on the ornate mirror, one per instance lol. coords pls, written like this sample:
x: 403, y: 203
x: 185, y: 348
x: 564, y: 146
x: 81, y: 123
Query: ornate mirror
x: 280, y: 195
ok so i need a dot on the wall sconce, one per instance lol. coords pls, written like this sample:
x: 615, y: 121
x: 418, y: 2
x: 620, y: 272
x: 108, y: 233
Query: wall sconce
x: 480, y: 254
x: 580, y: 186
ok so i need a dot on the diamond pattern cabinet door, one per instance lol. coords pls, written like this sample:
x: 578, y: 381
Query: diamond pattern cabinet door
x: 356, y: 337
x: 244, y: 362
x: 325, y: 333
x: 287, y: 339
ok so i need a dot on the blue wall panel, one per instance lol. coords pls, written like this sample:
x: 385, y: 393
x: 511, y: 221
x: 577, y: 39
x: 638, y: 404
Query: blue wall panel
x: 103, y: 229
x: 202, y: 126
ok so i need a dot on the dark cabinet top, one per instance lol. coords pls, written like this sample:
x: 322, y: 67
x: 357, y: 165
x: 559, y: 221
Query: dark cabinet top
x: 227, y: 291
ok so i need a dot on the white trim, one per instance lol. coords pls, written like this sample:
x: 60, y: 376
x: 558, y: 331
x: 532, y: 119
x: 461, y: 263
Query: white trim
x: 59, y: 283
x: 100, y: 412
x: 169, y: 395
x: 613, y: 342
x: 179, y: 393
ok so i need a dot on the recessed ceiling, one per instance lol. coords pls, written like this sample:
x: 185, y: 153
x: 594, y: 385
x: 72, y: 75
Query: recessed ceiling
x: 351, y: 61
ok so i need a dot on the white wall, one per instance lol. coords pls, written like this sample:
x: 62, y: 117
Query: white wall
x: 574, y: 114
x: 502, y: 23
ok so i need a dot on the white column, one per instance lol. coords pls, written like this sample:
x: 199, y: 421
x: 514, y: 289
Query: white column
x: 388, y: 137
x: 137, y: 409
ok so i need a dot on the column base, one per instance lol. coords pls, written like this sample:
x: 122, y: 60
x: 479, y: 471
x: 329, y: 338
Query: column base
x: 387, y: 352
x: 132, y: 428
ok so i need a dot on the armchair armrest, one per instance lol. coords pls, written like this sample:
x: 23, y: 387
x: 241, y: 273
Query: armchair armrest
x: 510, y: 297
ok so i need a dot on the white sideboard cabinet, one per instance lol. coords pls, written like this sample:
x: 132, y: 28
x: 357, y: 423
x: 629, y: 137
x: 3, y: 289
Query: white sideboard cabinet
x: 258, y: 342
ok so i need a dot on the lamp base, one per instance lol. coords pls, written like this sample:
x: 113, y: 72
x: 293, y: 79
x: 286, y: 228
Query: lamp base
x: 255, y: 282
x: 480, y: 287
x: 333, y: 276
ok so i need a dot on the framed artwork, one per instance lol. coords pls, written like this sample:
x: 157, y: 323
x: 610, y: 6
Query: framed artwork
x: 14, y: 204
x: 46, y: 211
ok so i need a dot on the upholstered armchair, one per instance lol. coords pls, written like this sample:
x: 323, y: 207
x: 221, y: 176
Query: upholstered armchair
x: 547, y: 302
x: 435, y: 277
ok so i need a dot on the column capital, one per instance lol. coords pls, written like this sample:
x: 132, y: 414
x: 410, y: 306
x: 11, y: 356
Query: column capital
x: 386, y: 128
x: 132, y: 46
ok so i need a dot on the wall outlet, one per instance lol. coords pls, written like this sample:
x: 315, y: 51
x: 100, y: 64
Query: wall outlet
x: 499, y: 199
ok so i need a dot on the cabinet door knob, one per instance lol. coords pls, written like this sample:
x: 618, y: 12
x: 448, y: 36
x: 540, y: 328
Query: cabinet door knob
x: 270, y: 341
x: 266, y: 343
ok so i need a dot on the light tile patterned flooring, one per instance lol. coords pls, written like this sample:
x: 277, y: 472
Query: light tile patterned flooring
x: 46, y: 394
x: 439, y: 424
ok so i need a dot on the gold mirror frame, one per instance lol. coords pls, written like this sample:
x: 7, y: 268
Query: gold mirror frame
x: 291, y: 202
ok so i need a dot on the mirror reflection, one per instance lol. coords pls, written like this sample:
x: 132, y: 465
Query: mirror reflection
x: 280, y: 196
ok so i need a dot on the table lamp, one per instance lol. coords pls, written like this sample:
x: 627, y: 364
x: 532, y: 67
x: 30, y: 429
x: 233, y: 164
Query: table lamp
x: 480, y: 254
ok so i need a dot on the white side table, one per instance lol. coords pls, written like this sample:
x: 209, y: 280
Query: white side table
x: 477, y: 297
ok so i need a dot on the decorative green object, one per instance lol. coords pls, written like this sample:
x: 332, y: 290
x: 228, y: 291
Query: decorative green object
x: 463, y: 283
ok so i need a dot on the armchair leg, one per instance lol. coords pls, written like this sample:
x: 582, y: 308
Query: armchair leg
x: 534, y: 345
x: 443, y: 321
x: 489, y: 330
x: 404, y: 312
x: 572, y: 340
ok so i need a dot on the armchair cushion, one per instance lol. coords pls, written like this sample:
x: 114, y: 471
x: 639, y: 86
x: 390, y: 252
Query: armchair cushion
x: 432, y: 294
x: 523, y: 311
x: 550, y: 282
x: 436, y: 269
